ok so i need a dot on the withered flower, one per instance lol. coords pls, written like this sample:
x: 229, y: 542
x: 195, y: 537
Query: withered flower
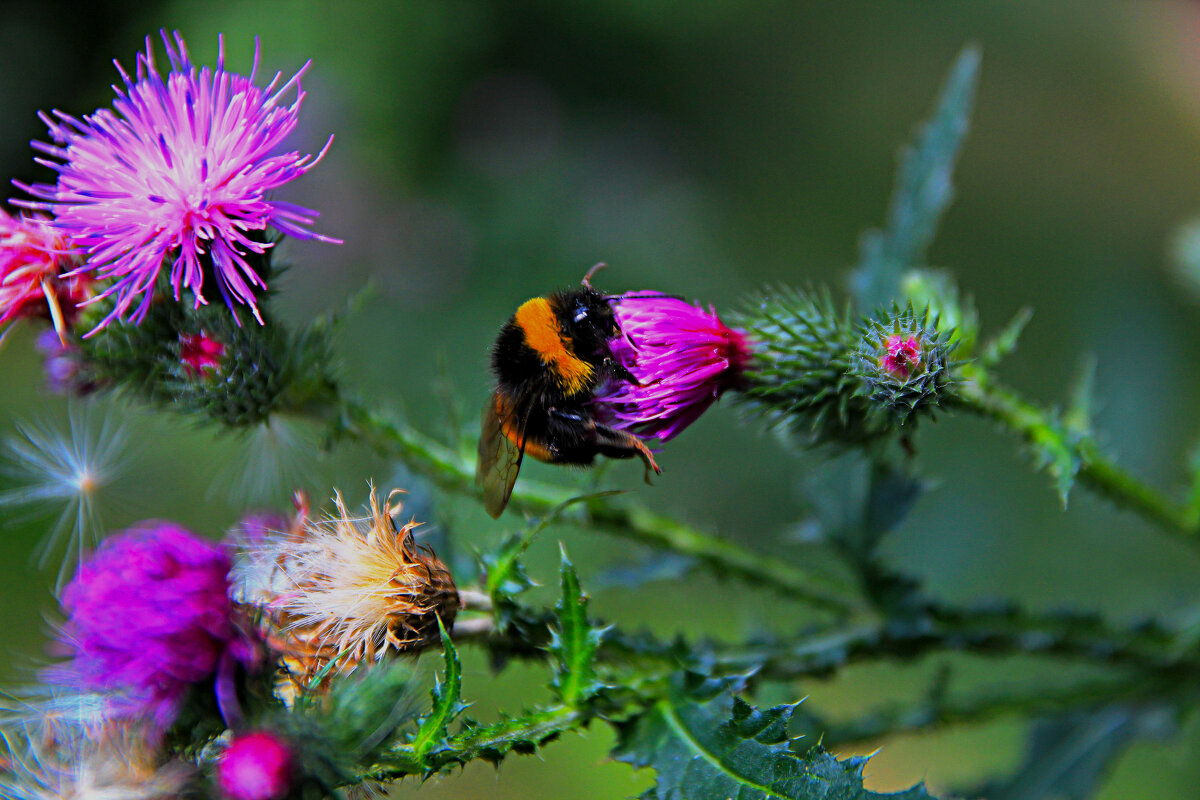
x: 344, y: 590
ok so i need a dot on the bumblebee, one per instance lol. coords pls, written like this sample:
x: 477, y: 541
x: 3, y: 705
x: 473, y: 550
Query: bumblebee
x: 549, y: 360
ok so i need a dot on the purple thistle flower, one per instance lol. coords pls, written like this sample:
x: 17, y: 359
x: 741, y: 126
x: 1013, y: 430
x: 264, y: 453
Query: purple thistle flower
x: 148, y: 615
x: 177, y: 173
x: 683, y: 358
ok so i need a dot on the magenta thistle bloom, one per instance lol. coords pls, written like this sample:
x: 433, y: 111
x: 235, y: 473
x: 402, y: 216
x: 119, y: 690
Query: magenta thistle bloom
x: 256, y: 766
x: 902, y: 355
x: 148, y: 616
x: 177, y: 175
x: 198, y: 352
x: 682, y: 357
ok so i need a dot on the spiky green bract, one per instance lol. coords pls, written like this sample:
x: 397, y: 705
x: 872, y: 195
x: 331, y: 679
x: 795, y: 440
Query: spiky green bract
x: 923, y: 190
x: 432, y: 732
x: 937, y: 291
x: 261, y: 369
x: 799, y: 374
x: 574, y: 643
x: 706, y: 744
x: 901, y: 389
x: 343, y: 735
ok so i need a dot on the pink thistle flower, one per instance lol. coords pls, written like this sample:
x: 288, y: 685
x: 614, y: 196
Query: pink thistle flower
x: 256, y: 766
x: 902, y: 355
x: 198, y: 352
x: 682, y: 357
x: 148, y: 616
x: 177, y: 174
x: 35, y: 261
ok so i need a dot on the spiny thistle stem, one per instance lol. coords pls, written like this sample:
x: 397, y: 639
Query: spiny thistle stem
x: 455, y: 473
x: 1100, y: 474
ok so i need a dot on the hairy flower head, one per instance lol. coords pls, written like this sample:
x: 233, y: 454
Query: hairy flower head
x: 36, y: 278
x: 345, y: 589
x: 682, y: 357
x: 177, y: 175
x: 148, y: 616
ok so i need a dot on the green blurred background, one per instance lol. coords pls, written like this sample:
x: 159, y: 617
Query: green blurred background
x: 487, y: 152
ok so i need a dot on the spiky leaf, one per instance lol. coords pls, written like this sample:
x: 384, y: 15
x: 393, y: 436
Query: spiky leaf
x: 721, y: 748
x: 923, y: 190
x: 432, y: 734
x: 1006, y: 341
x: 574, y: 643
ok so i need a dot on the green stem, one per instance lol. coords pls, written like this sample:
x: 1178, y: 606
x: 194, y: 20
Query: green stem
x: 1097, y: 472
x: 453, y: 472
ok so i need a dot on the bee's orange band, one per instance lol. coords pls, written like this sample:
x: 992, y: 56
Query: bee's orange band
x: 537, y: 320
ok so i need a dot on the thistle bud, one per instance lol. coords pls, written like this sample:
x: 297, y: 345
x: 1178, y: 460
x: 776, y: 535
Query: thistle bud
x: 344, y: 591
x: 256, y: 766
x: 904, y: 365
x: 198, y: 352
x: 798, y: 376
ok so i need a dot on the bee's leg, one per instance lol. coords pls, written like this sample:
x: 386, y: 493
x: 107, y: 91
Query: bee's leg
x: 615, y: 369
x: 620, y: 444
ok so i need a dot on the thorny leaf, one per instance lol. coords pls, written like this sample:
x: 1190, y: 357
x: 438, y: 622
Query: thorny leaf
x: 923, y: 190
x: 706, y: 747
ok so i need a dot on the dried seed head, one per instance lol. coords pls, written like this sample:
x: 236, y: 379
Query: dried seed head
x: 345, y: 590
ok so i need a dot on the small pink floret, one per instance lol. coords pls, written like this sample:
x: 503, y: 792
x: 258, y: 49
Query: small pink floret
x: 198, y: 352
x: 256, y: 766
x: 903, y: 354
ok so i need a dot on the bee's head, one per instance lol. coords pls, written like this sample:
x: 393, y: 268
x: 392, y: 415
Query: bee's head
x: 591, y: 322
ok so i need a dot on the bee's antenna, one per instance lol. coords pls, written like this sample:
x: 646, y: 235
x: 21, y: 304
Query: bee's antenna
x: 587, y: 279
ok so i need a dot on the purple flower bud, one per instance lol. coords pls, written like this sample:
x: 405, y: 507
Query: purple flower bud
x: 148, y: 616
x: 682, y: 357
x: 256, y: 766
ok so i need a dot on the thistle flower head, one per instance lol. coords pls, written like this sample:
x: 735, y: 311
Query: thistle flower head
x: 682, y: 358
x: 35, y: 273
x: 148, y: 616
x: 256, y: 766
x: 346, y: 589
x: 176, y: 175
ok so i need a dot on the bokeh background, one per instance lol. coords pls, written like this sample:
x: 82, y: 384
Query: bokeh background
x: 486, y: 152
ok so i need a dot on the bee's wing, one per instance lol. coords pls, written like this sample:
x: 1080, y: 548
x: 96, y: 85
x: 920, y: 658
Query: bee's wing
x: 499, y: 456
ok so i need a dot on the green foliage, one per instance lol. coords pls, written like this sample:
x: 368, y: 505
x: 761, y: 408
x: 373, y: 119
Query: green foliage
x: 922, y: 193
x: 574, y: 642
x: 431, y: 736
x: 706, y: 744
x: 1068, y: 757
x: 1005, y: 342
